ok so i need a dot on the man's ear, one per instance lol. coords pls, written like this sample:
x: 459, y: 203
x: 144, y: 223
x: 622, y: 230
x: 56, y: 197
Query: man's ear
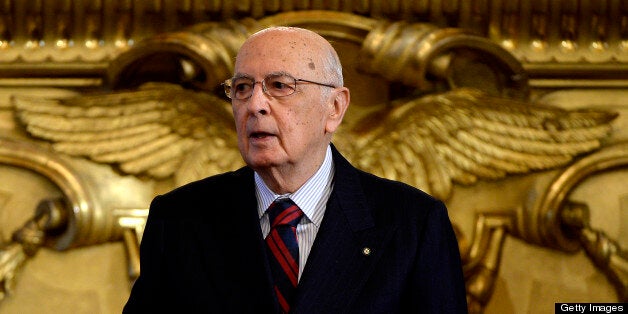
x: 337, y: 111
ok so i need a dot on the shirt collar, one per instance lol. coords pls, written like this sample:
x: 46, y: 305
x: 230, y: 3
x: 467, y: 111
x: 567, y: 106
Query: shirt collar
x: 307, y: 197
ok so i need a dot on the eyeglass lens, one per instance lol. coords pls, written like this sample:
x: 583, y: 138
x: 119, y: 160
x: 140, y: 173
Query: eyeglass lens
x: 274, y: 85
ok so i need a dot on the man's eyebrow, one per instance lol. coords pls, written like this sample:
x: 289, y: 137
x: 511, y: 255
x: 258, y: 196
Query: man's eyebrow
x: 274, y: 73
x: 241, y: 75
x: 278, y: 73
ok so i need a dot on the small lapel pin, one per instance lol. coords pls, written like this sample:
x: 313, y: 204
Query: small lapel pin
x: 366, y: 251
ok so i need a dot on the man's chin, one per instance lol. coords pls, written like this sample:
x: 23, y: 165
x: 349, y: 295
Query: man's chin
x: 259, y: 163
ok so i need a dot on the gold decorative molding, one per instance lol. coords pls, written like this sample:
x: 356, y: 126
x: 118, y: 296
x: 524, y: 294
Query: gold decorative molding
x: 604, y: 251
x: 387, y: 51
x: 509, y: 136
x: 556, y: 222
x: 482, y: 257
x: 540, y: 220
x: 80, y: 199
x: 433, y: 142
x: 456, y: 111
x: 74, y: 40
x: 79, y: 218
x: 550, y: 220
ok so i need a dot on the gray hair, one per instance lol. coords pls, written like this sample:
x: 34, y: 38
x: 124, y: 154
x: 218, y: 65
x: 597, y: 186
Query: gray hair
x: 332, y: 69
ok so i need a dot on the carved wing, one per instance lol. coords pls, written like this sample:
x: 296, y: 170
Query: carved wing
x: 464, y: 135
x: 151, y: 130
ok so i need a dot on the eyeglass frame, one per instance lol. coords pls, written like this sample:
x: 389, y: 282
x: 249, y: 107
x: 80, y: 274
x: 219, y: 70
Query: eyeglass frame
x: 227, y: 85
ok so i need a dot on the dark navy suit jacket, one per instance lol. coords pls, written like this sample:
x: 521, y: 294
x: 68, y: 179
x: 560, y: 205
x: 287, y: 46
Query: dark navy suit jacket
x: 203, y: 251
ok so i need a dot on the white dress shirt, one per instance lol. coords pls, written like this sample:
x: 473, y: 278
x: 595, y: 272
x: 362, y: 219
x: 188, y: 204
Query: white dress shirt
x: 312, y: 200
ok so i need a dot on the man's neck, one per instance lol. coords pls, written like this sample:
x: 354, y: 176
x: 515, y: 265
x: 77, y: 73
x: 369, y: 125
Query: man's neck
x: 289, y: 178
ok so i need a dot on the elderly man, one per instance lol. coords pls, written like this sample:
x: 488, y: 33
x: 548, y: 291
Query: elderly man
x: 298, y: 230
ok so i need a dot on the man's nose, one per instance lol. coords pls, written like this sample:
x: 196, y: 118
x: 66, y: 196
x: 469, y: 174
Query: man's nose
x: 258, y: 102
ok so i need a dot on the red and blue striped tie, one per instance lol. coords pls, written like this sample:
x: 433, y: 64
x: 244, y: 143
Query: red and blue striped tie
x: 283, y: 249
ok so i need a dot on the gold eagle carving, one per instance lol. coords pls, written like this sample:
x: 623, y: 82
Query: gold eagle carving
x: 431, y: 142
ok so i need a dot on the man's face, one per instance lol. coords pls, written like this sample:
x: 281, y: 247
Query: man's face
x: 289, y: 130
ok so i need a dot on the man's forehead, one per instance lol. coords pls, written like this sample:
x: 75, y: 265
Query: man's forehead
x: 286, y: 41
x: 279, y: 49
x: 265, y: 61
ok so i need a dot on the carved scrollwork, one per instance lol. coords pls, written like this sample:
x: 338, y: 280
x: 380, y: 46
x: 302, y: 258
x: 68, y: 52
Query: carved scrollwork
x: 408, y: 53
x: 50, y: 216
x: 552, y: 220
x: 604, y: 251
x: 71, y: 221
x: 541, y: 219
x: 555, y: 221
x: 80, y: 197
x: 482, y: 257
x: 77, y: 219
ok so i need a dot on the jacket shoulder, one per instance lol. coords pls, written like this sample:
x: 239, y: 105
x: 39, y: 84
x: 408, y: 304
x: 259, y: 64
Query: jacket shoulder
x: 198, y: 194
x: 393, y: 191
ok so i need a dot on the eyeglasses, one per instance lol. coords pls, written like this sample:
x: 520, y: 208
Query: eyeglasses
x: 275, y: 85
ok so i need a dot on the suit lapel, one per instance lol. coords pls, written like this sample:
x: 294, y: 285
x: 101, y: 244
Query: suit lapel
x: 346, y: 249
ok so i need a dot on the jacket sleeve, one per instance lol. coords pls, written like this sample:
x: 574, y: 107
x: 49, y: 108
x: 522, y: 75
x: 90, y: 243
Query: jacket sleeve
x: 148, y: 292
x: 438, y: 280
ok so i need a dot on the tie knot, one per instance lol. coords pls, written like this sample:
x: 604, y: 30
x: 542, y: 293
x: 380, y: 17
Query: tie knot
x: 284, y: 212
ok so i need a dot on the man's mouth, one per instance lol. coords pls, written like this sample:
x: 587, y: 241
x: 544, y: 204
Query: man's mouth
x: 259, y: 135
